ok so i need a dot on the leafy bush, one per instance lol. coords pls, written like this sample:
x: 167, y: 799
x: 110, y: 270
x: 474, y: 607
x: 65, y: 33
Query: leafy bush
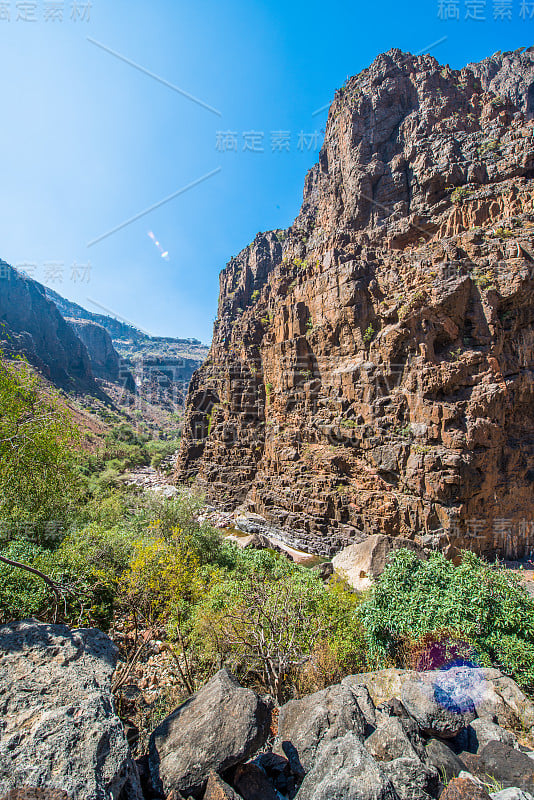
x: 483, y: 605
x: 278, y: 626
x: 160, y: 449
x: 86, y: 566
x: 369, y: 334
x: 38, y: 480
x: 460, y: 194
x: 23, y: 595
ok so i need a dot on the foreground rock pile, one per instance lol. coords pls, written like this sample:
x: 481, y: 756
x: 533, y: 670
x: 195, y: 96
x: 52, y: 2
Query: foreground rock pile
x: 372, y: 367
x: 389, y: 735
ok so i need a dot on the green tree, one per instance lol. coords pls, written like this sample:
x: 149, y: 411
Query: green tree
x: 37, y: 435
x: 270, y: 621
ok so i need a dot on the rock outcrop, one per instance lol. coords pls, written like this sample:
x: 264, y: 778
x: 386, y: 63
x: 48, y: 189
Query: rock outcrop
x: 218, y: 727
x: 371, y: 367
x: 31, y: 325
x: 362, y: 562
x: 105, y: 361
x: 58, y: 727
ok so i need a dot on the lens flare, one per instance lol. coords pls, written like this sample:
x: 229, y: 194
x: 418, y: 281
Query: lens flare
x: 456, y: 674
x: 163, y: 253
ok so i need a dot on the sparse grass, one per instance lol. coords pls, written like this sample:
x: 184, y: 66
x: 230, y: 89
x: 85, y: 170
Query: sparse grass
x: 491, y: 147
x: 369, y: 334
x: 459, y: 194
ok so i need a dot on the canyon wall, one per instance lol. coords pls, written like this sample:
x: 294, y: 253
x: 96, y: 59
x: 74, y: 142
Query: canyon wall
x: 372, y: 367
x: 32, y: 327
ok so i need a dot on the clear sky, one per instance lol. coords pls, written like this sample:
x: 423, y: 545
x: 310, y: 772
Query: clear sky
x: 88, y: 141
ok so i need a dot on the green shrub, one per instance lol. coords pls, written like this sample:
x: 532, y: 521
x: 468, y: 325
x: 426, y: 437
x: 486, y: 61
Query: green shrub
x: 369, y: 334
x: 23, y: 595
x: 484, y: 605
x: 459, y: 194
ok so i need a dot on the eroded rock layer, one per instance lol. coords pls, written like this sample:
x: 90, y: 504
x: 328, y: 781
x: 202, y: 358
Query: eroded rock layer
x: 372, y: 366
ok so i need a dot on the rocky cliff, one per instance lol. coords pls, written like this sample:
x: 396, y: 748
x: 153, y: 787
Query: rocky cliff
x: 31, y: 325
x: 105, y: 361
x: 371, y: 367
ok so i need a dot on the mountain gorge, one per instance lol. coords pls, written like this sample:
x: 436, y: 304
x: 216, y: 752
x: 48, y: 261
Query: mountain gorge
x: 371, y: 367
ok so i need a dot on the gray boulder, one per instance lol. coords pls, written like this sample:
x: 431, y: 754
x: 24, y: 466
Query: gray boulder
x: 390, y: 741
x: 511, y: 767
x: 494, y: 696
x: 363, y: 698
x: 512, y: 794
x: 305, y: 724
x: 58, y: 726
x: 438, y: 703
x: 216, y: 728
x: 440, y: 756
x: 484, y: 731
x: 503, y: 702
x: 344, y: 770
x: 411, y: 779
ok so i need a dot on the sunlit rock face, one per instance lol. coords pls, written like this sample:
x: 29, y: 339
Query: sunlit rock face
x: 371, y: 367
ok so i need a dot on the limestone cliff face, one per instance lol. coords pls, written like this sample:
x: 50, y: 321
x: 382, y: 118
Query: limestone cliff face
x: 372, y: 366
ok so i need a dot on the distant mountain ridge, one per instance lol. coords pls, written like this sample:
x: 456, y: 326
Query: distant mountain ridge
x: 77, y: 349
x: 117, y: 329
x: 161, y: 366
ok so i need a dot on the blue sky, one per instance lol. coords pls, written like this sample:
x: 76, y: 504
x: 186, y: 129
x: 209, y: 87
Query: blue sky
x: 88, y: 141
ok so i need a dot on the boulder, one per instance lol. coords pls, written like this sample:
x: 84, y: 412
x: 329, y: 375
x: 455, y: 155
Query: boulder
x: 494, y: 696
x: 278, y: 770
x: 252, y: 783
x: 464, y: 789
x: 500, y: 700
x: 28, y: 793
x: 367, y: 707
x: 58, y: 726
x: 438, y: 703
x: 218, y: 727
x: 412, y: 779
x: 474, y: 765
x: 217, y: 789
x: 484, y: 731
x: 389, y: 741
x: 344, y: 770
x: 510, y: 766
x: 361, y: 563
x: 325, y: 570
x: 512, y: 794
x: 445, y: 760
x: 305, y: 724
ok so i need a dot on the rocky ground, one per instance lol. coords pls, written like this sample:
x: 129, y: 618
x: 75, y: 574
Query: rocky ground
x: 391, y: 735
